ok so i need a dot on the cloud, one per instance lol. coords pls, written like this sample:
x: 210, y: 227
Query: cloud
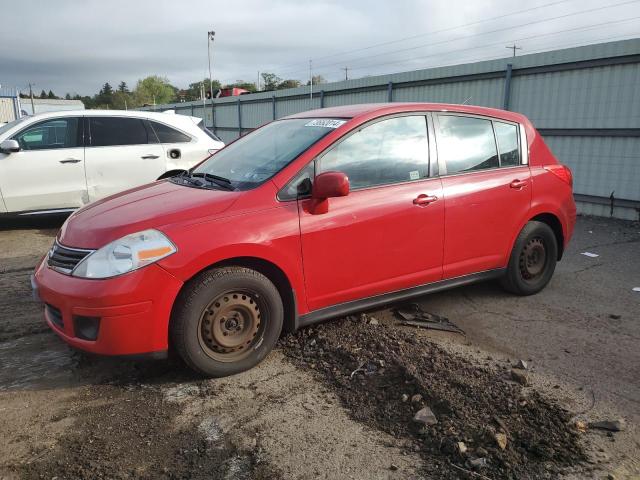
x: 71, y: 46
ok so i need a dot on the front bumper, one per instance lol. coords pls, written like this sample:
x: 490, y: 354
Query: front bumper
x: 131, y: 312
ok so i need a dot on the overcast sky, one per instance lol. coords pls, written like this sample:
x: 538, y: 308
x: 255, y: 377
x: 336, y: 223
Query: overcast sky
x: 76, y: 46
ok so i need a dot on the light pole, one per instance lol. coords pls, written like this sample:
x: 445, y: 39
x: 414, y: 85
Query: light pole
x: 210, y: 37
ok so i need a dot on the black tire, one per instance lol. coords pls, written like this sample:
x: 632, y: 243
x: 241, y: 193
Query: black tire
x: 532, y: 261
x: 226, y: 320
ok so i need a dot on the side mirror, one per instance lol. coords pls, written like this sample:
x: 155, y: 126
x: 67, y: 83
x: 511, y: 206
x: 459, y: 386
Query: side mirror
x: 9, y: 146
x: 329, y: 185
x: 325, y: 186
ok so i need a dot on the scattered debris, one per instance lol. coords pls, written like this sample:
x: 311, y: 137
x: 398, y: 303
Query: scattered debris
x: 417, y: 398
x: 478, y: 462
x: 501, y: 424
x: 581, y: 426
x: 612, y: 425
x: 636, y: 289
x: 373, y: 321
x: 462, y: 448
x: 521, y: 365
x: 405, y: 398
x: 614, y: 316
x: 501, y: 440
x: 519, y: 376
x: 413, y: 316
x: 589, y: 254
x: 393, y: 467
x: 425, y: 416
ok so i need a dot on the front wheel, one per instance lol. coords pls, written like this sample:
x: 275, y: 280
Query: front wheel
x: 532, y: 261
x: 226, y: 321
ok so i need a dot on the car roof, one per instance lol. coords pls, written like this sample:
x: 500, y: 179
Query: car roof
x: 166, y: 117
x: 379, y: 109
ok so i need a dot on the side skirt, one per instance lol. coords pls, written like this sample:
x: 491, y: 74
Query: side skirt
x: 346, y: 308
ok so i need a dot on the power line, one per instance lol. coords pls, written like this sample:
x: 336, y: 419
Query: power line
x: 584, y: 27
x: 443, y: 42
x: 514, y: 48
x: 448, y: 29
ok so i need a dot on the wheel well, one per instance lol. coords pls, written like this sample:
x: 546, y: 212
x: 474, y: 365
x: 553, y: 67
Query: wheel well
x: 553, y: 222
x: 170, y: 173
x: 279, y: 279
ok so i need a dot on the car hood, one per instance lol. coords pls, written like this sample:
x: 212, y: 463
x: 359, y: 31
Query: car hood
x: 141, y: 208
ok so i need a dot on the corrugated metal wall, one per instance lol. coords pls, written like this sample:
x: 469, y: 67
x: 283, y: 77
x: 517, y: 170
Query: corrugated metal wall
x: 584, y: 100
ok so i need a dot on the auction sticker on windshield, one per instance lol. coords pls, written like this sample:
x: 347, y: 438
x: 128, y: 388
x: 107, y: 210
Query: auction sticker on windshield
x: 325, y: 122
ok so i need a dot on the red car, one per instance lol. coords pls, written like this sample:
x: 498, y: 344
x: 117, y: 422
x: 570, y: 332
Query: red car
x: 309, y: 217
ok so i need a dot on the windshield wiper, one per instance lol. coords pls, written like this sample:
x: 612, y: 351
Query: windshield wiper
x: 220, y: 181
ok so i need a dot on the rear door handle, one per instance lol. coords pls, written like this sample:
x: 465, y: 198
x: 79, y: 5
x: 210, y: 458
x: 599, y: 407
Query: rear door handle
x: 518, y: 184
x: 423, y: 199
x: 149, y: 157
x: 70, y: 160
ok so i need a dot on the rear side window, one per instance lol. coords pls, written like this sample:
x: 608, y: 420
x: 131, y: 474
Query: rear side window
x: 167, y: 134
x: 111, y: 131
x: 466, y: 144
x: 51, y: 134
x: 390, y: 151
x: 507, y: 136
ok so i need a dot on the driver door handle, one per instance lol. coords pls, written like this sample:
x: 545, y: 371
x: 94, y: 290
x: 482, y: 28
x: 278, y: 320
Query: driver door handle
x: 423, y: 200
x: 149, y: 157
x: 518, y: 184
x: 70, y: 160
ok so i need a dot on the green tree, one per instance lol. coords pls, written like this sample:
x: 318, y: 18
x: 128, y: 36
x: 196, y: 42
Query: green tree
x: 288, y: 84
x: 104, y: 98
x: 270, y: 81
x: 194, y: 92
x: 67, y: 96
x: 250, y: 86
x: 51, y: 95
x: 123, y: 100
x: 43, y: 94
x: 317, y: 80
x: 123, y: 88
x: 154, y: 90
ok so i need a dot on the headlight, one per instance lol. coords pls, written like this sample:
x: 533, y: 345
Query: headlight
x: 125, y: 254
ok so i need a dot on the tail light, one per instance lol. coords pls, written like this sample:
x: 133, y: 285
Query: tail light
x: 562, y: 172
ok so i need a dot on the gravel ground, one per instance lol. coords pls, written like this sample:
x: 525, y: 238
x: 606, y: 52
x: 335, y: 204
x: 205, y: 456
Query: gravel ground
x: 304, y: 413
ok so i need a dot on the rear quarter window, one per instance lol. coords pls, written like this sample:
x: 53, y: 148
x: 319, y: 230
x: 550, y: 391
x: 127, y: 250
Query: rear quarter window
x: 167, y: 134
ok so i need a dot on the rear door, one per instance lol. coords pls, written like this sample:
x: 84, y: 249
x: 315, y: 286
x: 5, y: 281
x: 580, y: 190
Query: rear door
x: 487, y: 190
x: 381, y: 237
x: 183, y: 151
x: 48, y: 172
x: 122, y: 153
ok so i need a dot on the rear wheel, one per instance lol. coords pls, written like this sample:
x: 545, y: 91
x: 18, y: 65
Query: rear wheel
x: 226, y: 321
x: 532, y: 261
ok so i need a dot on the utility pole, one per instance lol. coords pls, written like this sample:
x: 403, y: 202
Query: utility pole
x: 210, y: 37
x: 311, y: 79
x: 514, y: 48
x: 258, y: 83
x: 33, y: 108
x: 346, y: 72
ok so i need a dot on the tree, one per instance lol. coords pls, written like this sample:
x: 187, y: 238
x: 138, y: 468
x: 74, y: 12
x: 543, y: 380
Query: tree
x: 123, y: 88
x: 43, y: 94
x: 51, y: 95
x: 154, y: 90
x: 104, y: 98
x: 270, y: 81
x: 288, y: 84
x: 194, y: 92
x: 67, y: 96
x: 318, y: 79
x: 250, y: 86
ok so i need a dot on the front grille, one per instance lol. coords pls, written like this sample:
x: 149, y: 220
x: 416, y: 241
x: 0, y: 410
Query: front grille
x: 64, y: 259
x: 55, y: 315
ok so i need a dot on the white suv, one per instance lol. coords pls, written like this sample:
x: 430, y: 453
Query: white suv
x: 59, y: 161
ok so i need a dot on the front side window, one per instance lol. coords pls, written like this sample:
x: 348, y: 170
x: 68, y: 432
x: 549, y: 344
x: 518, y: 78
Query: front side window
x: 259, y: 155
x: 390, y: 151
x: 466, y: 144
x: 507, y: 136
x: 112, y: 131
x: 51, y: 134
x: 166, y: 134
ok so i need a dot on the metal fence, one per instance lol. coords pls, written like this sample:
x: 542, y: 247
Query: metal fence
x: 585, y: 101
x: 9, y: 104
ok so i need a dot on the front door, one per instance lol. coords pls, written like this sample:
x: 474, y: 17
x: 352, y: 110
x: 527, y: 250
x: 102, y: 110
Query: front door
x: 48, y: 171
x: 487, y: 191
x: 387, y: 234
x: 123, y: 153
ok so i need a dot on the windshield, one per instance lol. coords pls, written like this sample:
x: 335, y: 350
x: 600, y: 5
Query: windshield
x: 258, y: 156
x: 10, y: 125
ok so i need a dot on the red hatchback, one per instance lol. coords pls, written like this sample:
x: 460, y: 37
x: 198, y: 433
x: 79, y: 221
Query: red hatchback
x: 306, y: 218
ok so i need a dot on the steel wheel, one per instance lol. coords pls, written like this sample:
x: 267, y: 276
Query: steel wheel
x: 230, y: 326
x: 533, y: 259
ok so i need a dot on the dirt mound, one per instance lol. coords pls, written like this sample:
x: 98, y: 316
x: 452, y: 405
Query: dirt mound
x: 384, y: 376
